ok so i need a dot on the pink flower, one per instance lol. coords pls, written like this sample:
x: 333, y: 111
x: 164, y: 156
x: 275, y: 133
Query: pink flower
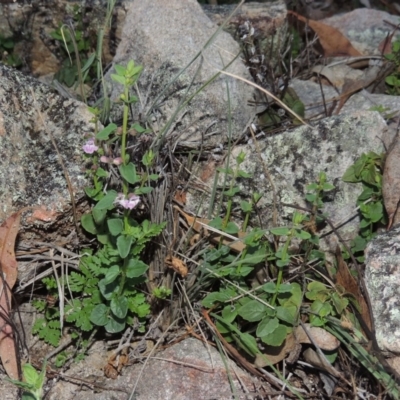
x: 89, y: 147
x: 117, y: 161
x: 129, y: 202
x: 105, y: 159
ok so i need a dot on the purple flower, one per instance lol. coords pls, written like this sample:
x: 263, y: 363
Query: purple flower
x: 129, y: 202
x: 89, y: 147
x: 117, y: 161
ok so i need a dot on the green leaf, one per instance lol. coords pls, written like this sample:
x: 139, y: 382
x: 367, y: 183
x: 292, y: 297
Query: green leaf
x: 120, y: 70
x: 124, y: 244
x: 283, y: 231
x: 229, y: 313
x: 111, y: 274
x: 31, y: 375
x: 119, y: 306
x: 231, y: 228
x: 88, y: 224
x: 99, y: 215
x: 246, y: 206
x: 252, y: 311
x: 269, y: 287
x: 285, y: 288
x: 277, y: 337
x: 115, y: 325
x: 119, y: 79
x: 350, y: 175
x: 286, y: 314
x: 302, y: 234
x: 107, y: 202
x: 128, y: 172
x: 101, y: 173
x: 266, y: 326
x: 99, y: 315
x: 143, y: 190
x: 106, y: 132
x: 218, y: 297
x: 243, y: 174
x: 136, y: 268
x: 115, y: 226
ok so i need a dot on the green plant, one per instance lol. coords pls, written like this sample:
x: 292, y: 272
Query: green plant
x: 106, y: 287
x: 33, y: 382
x: 8, y: 57
x: 76, y: 50
x: 393, y: 80
x: 367, y: 170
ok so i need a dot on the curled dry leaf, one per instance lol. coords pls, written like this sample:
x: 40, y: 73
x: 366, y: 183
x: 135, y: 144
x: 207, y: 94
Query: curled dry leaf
x: 177, y: 265
x: 345, y: 279
x: 391, y: 182
x: 332, y: 41
x: 9, y: 271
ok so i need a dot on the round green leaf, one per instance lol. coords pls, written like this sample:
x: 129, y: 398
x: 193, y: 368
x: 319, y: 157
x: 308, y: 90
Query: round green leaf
x: 136, y: 268
x: 115, y: 226
x: 111, y: 274
x: 267, y: 326
x: 119, y: 306
x: 88, y: 224
x: 128, y: 172
x: 252, y: 311
x: 99, y: 315
x: 124, y: 244
x: 115, y: 325
x: 277, y: 337
x: 107, y: 202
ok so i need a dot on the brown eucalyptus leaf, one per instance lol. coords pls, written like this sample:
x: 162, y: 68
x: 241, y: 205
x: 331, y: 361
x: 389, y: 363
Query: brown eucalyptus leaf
x: 333, y: 42
x: 391, y: 182
x: 9, y: 271
x: 345, y: 279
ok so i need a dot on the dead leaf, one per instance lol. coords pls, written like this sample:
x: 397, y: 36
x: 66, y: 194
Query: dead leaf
x: 391, y: 182
x: 322, y: 338
x: 9, y: 269
x: 345, y: 279
x: 274, y: 354
x: 177, y: 265
x: 333, y: 42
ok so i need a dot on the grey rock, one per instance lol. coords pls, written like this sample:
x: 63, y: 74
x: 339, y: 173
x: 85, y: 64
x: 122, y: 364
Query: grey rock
x: 164, y: 38
x: 187, y: 370
x: 365, y: 28
x: 31, y: 175
x: 294, y: 160
x: 382, y: 279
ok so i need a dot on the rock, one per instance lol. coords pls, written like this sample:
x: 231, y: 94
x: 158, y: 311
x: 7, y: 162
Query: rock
x: 164, y: 39
x: 183, y: 371
x: 374, y: 28
x: 382, y: 279
x: 294, y: 160
x: 30, y: 170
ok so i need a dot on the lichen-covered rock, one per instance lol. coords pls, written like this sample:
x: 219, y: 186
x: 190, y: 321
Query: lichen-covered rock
x: 186, y: 370
x: 30, y: 169
x: 382, y: 279
x: 294, y: 159
x: 164, y: 37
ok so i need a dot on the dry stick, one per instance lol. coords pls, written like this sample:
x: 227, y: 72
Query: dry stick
x: 60, y: 160
x: 183, y: 290
x: 268, y: 93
